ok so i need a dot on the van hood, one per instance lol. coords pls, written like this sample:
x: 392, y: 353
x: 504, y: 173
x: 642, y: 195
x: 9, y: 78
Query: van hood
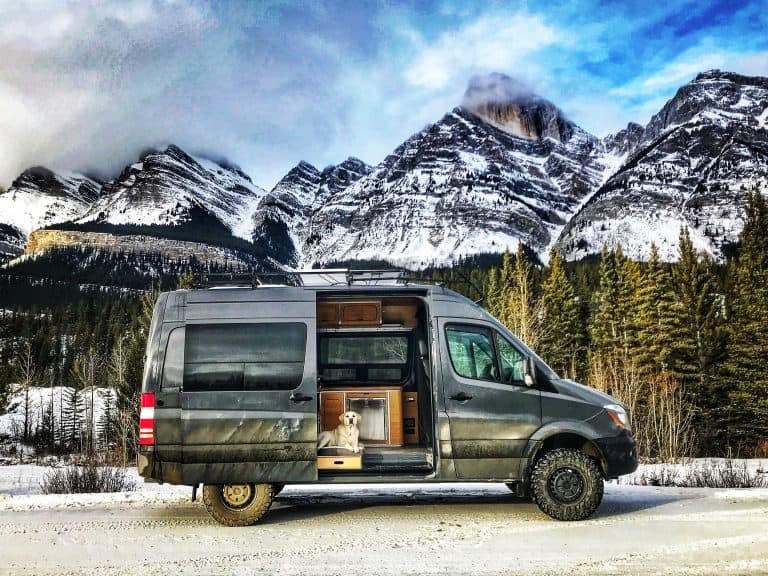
x: 584, y: 393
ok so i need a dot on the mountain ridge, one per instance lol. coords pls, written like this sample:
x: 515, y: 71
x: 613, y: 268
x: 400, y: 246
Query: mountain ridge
x: 505, y: 167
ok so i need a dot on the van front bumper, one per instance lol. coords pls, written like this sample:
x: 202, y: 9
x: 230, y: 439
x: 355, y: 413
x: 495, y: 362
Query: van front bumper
x: 619, y: 454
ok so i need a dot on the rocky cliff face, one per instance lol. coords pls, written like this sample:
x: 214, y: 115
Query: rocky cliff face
x: 690, y: 169
x: 460, y: 186
x: 282, y: 223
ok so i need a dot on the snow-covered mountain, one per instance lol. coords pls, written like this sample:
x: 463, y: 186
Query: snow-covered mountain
x: 688, y: 168
x: 505, y: 166
x: 170, y: 188
x: 493, y: 172
x: 281, y: 223
x: 40, y: 197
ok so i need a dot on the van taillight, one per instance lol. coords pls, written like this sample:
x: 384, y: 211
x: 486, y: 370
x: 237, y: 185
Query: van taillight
x: 147, y: 419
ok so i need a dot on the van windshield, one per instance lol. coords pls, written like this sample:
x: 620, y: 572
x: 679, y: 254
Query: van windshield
x: 363, y: 357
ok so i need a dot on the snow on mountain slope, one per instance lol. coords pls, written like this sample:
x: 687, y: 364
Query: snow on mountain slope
x: 165, y: 188
x: 689, y: 169
x: 40, y: 197
x: 280, y: 225
x: 463, y: 186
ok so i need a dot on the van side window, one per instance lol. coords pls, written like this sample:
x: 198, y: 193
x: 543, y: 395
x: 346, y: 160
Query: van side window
x: 512, y: 361
x: 472, y: 353
x: 173, y: 368
x: 266, y: 356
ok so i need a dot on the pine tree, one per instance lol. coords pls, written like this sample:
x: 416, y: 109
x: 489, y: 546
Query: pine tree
x: 561, y: 334
x: 71, y: 419
x: 613, y: 361
x: 522, y: 314
x: 657, y: 318
x: 107, y: 424
x: 493, y: 295
x: 747, y: 360
x: 701, y: 344
x: 611, y: 301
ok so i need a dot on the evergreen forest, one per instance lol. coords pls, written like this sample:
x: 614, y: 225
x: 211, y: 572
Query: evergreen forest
x: 684, y: 345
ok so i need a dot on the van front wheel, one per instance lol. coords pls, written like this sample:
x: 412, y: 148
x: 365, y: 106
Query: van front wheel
x: 237, y: 504
x: 566, y: 484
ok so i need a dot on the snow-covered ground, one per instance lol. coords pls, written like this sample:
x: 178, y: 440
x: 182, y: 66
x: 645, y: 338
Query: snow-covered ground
x: 458, y: 528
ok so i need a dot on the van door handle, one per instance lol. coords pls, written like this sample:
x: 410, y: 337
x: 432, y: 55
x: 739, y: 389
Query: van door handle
x: 461, y: 397
x: 300, y: 397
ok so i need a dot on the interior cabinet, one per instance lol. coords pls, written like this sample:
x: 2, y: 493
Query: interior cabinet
x: 411, y: 417
x: 356, y: 313
x: 380, y: 409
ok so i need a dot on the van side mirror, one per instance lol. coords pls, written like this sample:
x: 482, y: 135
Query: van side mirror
x: 529, y: 377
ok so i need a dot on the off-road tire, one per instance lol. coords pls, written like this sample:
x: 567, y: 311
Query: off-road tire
x: 252, y: 509
x: 567, y: 484
x: 277, y: 488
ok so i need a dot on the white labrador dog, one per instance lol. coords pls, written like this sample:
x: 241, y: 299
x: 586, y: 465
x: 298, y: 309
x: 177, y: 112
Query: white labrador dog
x: 345, y: 435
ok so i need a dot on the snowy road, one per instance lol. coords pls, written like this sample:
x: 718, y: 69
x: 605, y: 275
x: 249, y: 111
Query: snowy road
x: 442, y: 529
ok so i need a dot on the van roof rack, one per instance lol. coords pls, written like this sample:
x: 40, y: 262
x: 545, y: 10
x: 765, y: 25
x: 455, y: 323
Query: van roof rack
x: 307, y: 277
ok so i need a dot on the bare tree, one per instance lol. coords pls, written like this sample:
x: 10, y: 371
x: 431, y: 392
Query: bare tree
x: 669, y: 417
x: 117, y: 368
x: 85, y: 372
x: 29, y: 374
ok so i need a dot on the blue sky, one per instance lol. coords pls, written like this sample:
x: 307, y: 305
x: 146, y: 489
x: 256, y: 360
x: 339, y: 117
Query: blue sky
x: 86, y: 85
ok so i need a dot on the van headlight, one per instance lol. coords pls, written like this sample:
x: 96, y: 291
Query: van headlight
x: 618, y: 414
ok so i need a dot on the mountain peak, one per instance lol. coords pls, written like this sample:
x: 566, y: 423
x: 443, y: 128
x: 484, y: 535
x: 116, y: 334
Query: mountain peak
x: 720, y: 75
x: 512, y: 106
x: 497, y: 88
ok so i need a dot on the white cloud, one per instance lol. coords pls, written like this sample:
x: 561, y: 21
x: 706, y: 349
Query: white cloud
x: 492, y: 42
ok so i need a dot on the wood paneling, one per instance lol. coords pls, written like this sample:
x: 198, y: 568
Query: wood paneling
x: 327, y: 314
x: 360, y: 313
x: 399, y: 312
x: 411, y: 417
x: 335, y: 313
x: 331, y: 407
x: 340, y: 462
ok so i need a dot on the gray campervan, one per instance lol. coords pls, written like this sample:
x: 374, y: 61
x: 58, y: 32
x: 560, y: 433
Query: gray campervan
x: 240, y: 381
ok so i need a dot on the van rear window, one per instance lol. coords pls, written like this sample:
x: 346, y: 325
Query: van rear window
x: 266, y: 356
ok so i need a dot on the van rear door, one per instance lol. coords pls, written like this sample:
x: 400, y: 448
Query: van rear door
x: 249, y: 392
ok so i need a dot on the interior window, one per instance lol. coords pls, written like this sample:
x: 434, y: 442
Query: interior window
x: 364, y: 357
x: 512, y: 361
x: 472, y: 353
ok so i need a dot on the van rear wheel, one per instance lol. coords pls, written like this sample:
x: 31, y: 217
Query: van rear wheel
x: 567, y: 484
x: 237, y: 504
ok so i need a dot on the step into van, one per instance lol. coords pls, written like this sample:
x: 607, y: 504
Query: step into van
x: 240, y: 381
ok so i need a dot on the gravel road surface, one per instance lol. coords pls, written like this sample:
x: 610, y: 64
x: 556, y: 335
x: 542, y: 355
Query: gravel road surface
x: 352, y: 531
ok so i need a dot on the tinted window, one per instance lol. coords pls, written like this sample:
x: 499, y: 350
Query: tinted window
x: 244, y: 356
x: 472, y: 353
x: 173, y: 369
x: 512, y: 361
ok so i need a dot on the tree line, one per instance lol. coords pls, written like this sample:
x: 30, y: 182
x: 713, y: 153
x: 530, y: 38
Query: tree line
x: 683, y: 344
